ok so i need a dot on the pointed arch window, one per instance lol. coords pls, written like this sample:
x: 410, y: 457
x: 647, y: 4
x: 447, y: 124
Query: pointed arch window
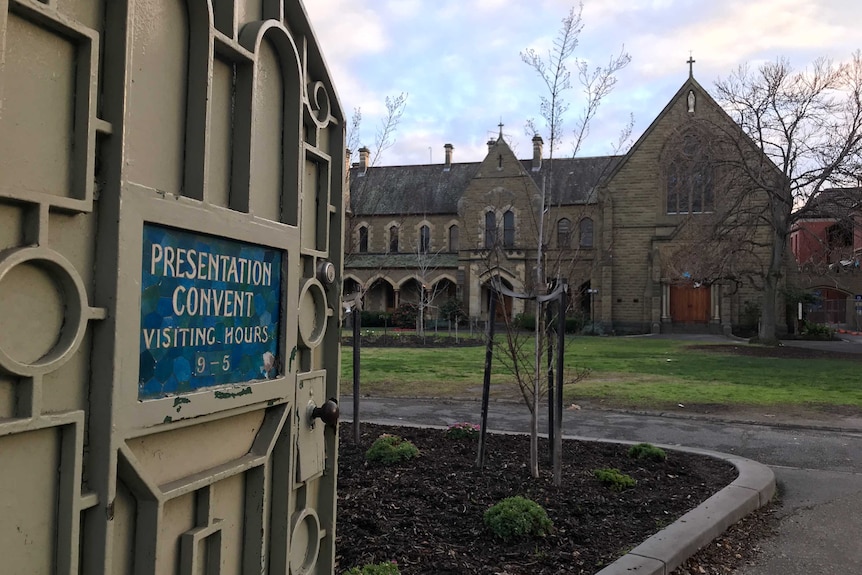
x: 690, y: 179
x: 454, y: 239
x: 424, y: 239
x: 393, y: 239
x: 564, y: 233
x: 490, y: 229
x: 586, y: 233
x: 509, y: 229
x: 363, y: 239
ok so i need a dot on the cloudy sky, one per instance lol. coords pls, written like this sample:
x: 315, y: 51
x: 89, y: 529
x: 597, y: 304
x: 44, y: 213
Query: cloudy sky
x: 459, y: 63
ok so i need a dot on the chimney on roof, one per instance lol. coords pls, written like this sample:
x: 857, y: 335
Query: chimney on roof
x: 537, y: 152
x: 363, y: 159
x: 491, y: 143
x: 448, y: 163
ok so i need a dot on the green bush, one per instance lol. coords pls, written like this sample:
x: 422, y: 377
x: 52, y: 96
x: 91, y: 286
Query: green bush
x: 817, y: 331
x: 405, y: 315
x: 517, y: 517
x: 463, y: 430
x: 574, y: 323
x: 452, y: 310
x: 750, y: 315
x: 391, y: 449
x: 375, y: 318
x: 614, y: 478
x: 388, y: 568
x: 593, y: 328
x: 524, y: 321
x: 647, y: 451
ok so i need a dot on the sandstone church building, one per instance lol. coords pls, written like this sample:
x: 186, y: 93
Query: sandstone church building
x: 612, y: 232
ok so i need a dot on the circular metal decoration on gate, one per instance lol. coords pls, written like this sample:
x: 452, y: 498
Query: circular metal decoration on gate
x: 319, y: 101
x: 312, y: 314
x: 44, y: 308
x: 305, y: 542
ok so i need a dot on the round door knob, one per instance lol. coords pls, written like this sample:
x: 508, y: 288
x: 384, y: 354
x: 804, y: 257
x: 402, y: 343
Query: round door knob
x: 328, y: 412
x: 326, y: 273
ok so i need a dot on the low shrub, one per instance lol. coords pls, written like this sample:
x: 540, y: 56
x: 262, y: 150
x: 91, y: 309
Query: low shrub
x: 593, y: 328
x: 388, y: 449
x: 574, y: 323
x: 405, y: 315
x: 375, y: 318
x: 524, y: 321
x: 614, y: 478
x: 749, y: 318
x: 452, y: 310
x: 463, y: 430
x: 388, y: 568
x: 811, y: 330
x: 647, y: 451
x: 517, y: 517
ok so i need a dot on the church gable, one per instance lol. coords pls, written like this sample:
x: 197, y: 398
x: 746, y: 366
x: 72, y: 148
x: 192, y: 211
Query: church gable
x: 502, y: 194
x: 656, y: 178
x: 500, y: 162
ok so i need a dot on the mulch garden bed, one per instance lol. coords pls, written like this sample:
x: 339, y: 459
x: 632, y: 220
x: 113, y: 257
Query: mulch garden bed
x: 427, y: 514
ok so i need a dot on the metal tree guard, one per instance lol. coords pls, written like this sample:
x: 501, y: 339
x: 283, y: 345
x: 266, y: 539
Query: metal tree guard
x: 353, y: 304
x: 486, y: 381
x: 555, y: 412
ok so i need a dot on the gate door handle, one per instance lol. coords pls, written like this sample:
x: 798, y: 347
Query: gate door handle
x: 328, y: 412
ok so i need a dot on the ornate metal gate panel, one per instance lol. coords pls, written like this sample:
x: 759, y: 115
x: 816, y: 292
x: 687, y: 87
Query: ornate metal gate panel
x: 171, y: 224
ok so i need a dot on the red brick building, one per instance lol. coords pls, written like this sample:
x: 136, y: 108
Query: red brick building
x: 827, y: 247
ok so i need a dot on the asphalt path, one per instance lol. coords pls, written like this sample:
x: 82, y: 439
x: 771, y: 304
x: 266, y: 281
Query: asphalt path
x: 819, y: 470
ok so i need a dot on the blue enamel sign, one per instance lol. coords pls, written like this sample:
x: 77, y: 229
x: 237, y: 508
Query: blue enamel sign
x: 210, y: 310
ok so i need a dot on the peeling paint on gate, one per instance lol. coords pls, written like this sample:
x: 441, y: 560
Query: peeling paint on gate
x: 232, y: 394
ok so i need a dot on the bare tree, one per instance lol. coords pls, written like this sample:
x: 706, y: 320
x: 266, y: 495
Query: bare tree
x: 596, y: 83
x: 799, y: 134
x: 383, y: 140
x: 427, y: 262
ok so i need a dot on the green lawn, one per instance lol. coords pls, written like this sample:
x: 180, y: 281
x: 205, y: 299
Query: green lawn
x: 623, y: 372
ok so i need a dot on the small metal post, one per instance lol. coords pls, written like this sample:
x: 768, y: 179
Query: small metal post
x: 357, y: 324
x: 486, y: 381
x: 561, y: 344
x: 551, y: 410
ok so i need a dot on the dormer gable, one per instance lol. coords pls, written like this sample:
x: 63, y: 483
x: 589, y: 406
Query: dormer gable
x: 500, y: 162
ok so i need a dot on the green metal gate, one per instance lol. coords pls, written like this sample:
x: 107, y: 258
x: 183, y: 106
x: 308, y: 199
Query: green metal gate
x: 171, y: 224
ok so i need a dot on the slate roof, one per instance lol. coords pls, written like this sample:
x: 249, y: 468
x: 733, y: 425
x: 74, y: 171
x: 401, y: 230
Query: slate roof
x: 423, y: 189
x: 428, y: 189
x: 834, y: 203
x: 575, y: 180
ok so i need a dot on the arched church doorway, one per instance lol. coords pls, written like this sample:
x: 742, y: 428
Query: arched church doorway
x: 503, y: 312
x: 689, y: 303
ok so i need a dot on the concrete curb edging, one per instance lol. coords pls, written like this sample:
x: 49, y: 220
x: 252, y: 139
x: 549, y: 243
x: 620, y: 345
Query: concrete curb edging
x: 670, y: 547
